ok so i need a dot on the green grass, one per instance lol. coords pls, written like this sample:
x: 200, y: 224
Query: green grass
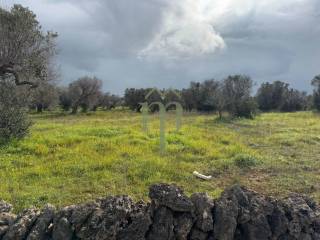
x: 71, y: 159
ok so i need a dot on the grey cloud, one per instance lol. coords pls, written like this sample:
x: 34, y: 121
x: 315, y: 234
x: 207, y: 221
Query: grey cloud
x: 267, y: 39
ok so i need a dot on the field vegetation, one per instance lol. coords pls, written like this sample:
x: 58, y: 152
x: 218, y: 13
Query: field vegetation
x: 68, y: 159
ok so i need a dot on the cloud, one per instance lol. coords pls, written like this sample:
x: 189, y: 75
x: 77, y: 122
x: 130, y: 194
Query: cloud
x: 168, y: 43
x: 185, y: 32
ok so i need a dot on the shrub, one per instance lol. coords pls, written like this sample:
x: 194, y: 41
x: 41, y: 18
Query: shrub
x: 245, y: 161
x: 14, y: 122
x: 64, y: 99
x: 246, y: 109
x: 236, y: 92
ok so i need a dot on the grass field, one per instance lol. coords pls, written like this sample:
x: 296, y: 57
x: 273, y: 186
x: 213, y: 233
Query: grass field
x: 70, y: 159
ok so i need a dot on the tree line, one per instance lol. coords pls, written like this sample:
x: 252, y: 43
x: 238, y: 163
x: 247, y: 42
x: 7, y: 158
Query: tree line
x: 231, y: 95
x: 234, y: 96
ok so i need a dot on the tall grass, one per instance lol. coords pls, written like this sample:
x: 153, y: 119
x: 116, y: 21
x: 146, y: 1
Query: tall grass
x: 71, y: 159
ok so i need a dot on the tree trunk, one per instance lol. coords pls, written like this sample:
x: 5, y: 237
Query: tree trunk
x: 74, y: 109
x: 39, y: 108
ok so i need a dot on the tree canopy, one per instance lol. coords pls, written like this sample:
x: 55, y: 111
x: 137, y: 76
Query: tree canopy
x: 25, y: 51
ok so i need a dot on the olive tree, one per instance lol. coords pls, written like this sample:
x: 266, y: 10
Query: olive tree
x: 236, y: 91
x: 25, y: 60
x: 133, y: 97
x: 84, y: 93
x: 14, y: 122
x: 65, y: 100
x: 109, y: 101
x: 201, y: 96
x: 44, y: 97
x: 25, y: 51
x: 272, y: 96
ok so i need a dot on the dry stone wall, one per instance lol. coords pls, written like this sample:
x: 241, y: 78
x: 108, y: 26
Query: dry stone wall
x: 171, y: 215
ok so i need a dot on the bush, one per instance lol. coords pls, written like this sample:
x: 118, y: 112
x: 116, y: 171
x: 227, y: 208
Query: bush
x: 236, y: 92
x: 246, y: 109
x: 245, y: 161
x: 14, y: 122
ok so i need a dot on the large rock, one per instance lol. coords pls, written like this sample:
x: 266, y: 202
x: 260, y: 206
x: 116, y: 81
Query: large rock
x: 80, y: 216
x: 41, y: 228
x: 111, y: 218
x: 6, y: 217
x: 203, y: 211
x: 21, y: 227
x: 138, y: 226
x: 243, y: 214
x: 225, y: 217
x: 170, y: 196
x: 197, y: 234
x: 162, y: 227
x: 62, y: 228
x: 303, y: 217
x: 278, y: 221
x: 182, y: 225
x: 257, y: 210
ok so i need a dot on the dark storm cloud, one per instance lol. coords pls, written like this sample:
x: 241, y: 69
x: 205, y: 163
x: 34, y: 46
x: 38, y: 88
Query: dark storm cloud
x: 170, y: 43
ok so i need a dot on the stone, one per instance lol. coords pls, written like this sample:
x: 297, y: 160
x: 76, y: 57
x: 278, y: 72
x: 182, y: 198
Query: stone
x: 80, y: 216
x: 238, y: 214
x: 115, y: 216
x: 170, y: 196
x: 257, y: 229
x: 259, y: 210
x: 140, y: 221
x: 162, y: 227
x: 112, y: 218
x: 20, y: 228
x: 7, y: 218
x: 3, y: 230
x: 279, y: 222
x: 182, y: 225
x: 197, y: 234
x: 5, y: 207
x: 305, y: 236
x: 41, y: 230
x: 62, y: 230
x: 225, y: 216
x: 203, y: 211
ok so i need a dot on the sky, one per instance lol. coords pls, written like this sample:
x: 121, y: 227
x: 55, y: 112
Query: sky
x: 168, y: 43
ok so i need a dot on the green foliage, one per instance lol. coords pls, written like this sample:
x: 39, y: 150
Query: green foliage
x: 236, y: 90
x: 69, y: 159
x: 245, y: 161
x: 134, y: 97
x: 246, y: 108
x: 202, y: 97
x: 44, y: 97
x: 277, y: 96
x: 33, y: 50
x: 65, y: 100
x: 84, y: 93
x: 14, y: 122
